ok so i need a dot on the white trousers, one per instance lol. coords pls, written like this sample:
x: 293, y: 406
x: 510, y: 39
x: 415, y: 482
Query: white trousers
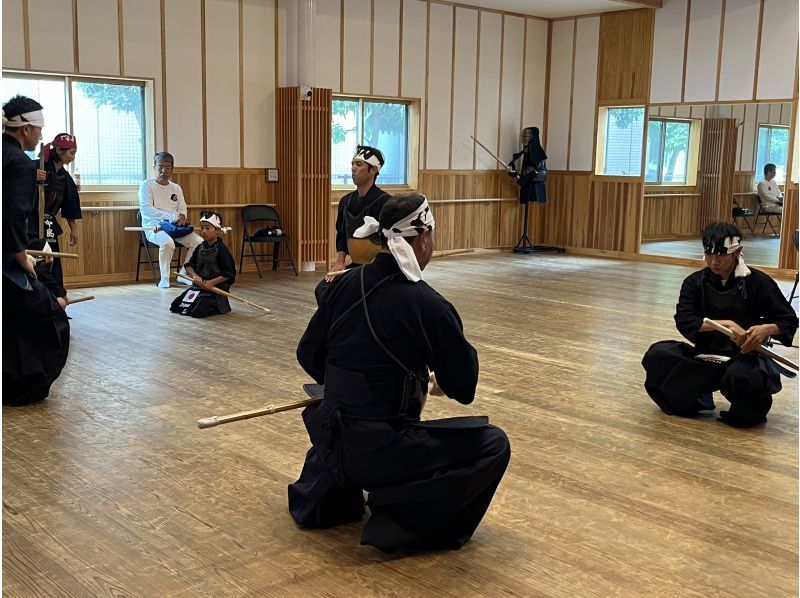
x: 166, y: 247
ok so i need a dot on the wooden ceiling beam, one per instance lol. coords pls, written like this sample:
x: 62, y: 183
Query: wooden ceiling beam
x: 643, y: 3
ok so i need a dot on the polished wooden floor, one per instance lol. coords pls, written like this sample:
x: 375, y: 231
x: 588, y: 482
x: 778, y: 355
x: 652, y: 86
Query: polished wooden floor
x: 758, y: 250
x: 109, y: 489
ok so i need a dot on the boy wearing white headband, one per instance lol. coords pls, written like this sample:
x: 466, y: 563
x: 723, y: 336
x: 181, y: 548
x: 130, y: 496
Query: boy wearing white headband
x: 366, y: 200
x: 211, y: 265
x: 682, y: 378
x: 378, y: 331
x: 35, y: 328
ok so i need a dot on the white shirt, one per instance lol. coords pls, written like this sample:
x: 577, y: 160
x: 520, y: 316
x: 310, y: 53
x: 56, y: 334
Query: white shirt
x: 160, y: 202
x: 770, y: 193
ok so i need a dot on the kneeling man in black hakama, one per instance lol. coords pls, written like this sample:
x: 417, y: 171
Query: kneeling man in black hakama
x: 682, y: 378
x: 378, y: 331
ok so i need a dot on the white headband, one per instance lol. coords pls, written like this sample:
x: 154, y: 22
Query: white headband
x: 365, y: 155
x: 214, y: 221
x: 413, y: 225
x: 34, y: 118
x: 731, y: 244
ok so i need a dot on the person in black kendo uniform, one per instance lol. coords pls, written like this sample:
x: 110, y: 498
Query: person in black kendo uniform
x: 378, y: 330
x: 529, y: 166
x: 366, y: 200
x: 681, y: 378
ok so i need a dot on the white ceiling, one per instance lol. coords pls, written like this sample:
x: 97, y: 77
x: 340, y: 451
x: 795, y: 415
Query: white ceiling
x: 551, y: 9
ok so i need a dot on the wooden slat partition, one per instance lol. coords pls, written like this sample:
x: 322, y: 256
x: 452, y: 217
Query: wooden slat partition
x: 717, y: 163
x: 288, y: 160
x: 304, y: 162
x: 787, y: 256
x: 670, y: 215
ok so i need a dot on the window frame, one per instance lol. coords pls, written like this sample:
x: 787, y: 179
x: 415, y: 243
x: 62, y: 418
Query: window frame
x: 601, y: 142
x: 759, y: 174
x: 690, y: 180
x: 412, y: 136
x: 147, y: 85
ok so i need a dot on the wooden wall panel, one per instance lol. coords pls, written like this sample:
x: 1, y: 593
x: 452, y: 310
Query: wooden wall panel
x: 488, y: 87
x: 584, y: 88
x: 626, y: 41
x: 98, y: 37
x: 315, y: 177
x: 356, y: 53
x: 558, y: 111
x: 222, y: 83
x: 511, y: 85
x: 778, y: 55
x: 258, y: 18
x: 386, y: 60
x: 327, y: 65
x: 737, y: 68
x: 288, y: 160
x: 13, y: 35
x: 440, y: 76
x: 51, y: 46
x: 184, y: 82
x: 535, y: 74
x: 669, y: 39
x: 464, y: 81
x: 671, y: 215
x: 702, y: 51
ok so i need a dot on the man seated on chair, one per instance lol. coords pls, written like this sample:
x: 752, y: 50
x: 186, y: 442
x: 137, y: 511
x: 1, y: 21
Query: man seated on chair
x: 680, y: 378
x: 769, y: 193
x: 162, y: 206
x: 366, y: 200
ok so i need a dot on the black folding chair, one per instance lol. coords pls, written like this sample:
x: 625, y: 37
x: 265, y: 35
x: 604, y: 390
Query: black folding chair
x: 744, y: 214
x: 796, y: 274
x: 147, y: 246
x: 269, y: 223
x: 768, y: 214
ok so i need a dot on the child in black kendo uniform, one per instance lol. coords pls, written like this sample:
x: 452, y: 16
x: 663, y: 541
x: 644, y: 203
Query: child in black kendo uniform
x: 211, y: 265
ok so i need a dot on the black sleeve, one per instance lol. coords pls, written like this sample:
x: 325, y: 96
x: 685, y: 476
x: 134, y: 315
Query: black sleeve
x: 45, y: 276
x: 19, y: 188
x: 455, y: 361
x: 341, y: 233
x: 193, y: 260
x: 227, y: 266
x: 688, y: 318
x: 775, y: 309
x: 312, y: 351
x: 71, y: 207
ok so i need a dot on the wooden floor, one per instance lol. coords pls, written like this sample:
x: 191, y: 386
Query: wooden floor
x: 761, y: 250
x: 110, y: 489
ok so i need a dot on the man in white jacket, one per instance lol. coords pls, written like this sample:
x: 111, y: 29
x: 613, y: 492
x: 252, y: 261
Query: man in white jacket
x: 769, y: 192
x: 162, y: 200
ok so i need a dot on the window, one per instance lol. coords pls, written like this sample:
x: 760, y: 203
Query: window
x: 667, y: 158
x: 773, y: 147
x: 378, y: 123
x: 622, y: 153
x: 107, y: 118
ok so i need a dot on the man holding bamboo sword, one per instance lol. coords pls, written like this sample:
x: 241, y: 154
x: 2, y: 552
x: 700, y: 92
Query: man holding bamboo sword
x: 748, y: 306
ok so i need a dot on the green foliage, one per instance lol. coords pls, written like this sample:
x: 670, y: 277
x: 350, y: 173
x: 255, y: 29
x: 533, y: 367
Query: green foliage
x: 379, y: 117
x: 125, y: 98
x: 624, y: 117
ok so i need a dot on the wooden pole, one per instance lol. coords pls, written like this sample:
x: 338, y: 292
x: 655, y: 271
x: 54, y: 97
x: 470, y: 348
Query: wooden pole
x: 79, y: 299
x: 37, y: 253
x: 210, y: 422
x: 763, y: 350
x: 225, y: 293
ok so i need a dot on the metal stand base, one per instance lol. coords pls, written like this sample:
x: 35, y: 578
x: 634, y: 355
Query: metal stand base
x: 524, y: 244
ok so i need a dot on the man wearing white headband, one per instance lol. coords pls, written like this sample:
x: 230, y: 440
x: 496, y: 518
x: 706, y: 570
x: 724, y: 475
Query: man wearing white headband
x: 162, y: 205
x: 35, y: 328
x: 682, y: 378
x: 378, y: 332
x: 210, y: 265
x: 366, y: 200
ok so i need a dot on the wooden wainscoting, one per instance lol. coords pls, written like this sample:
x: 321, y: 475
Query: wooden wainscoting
x: 108, y: 254
x: 670, y: 213
x: 589, y: 212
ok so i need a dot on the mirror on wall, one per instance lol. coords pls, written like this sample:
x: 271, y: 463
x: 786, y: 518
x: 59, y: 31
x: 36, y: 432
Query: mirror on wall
x: 685, y: 170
